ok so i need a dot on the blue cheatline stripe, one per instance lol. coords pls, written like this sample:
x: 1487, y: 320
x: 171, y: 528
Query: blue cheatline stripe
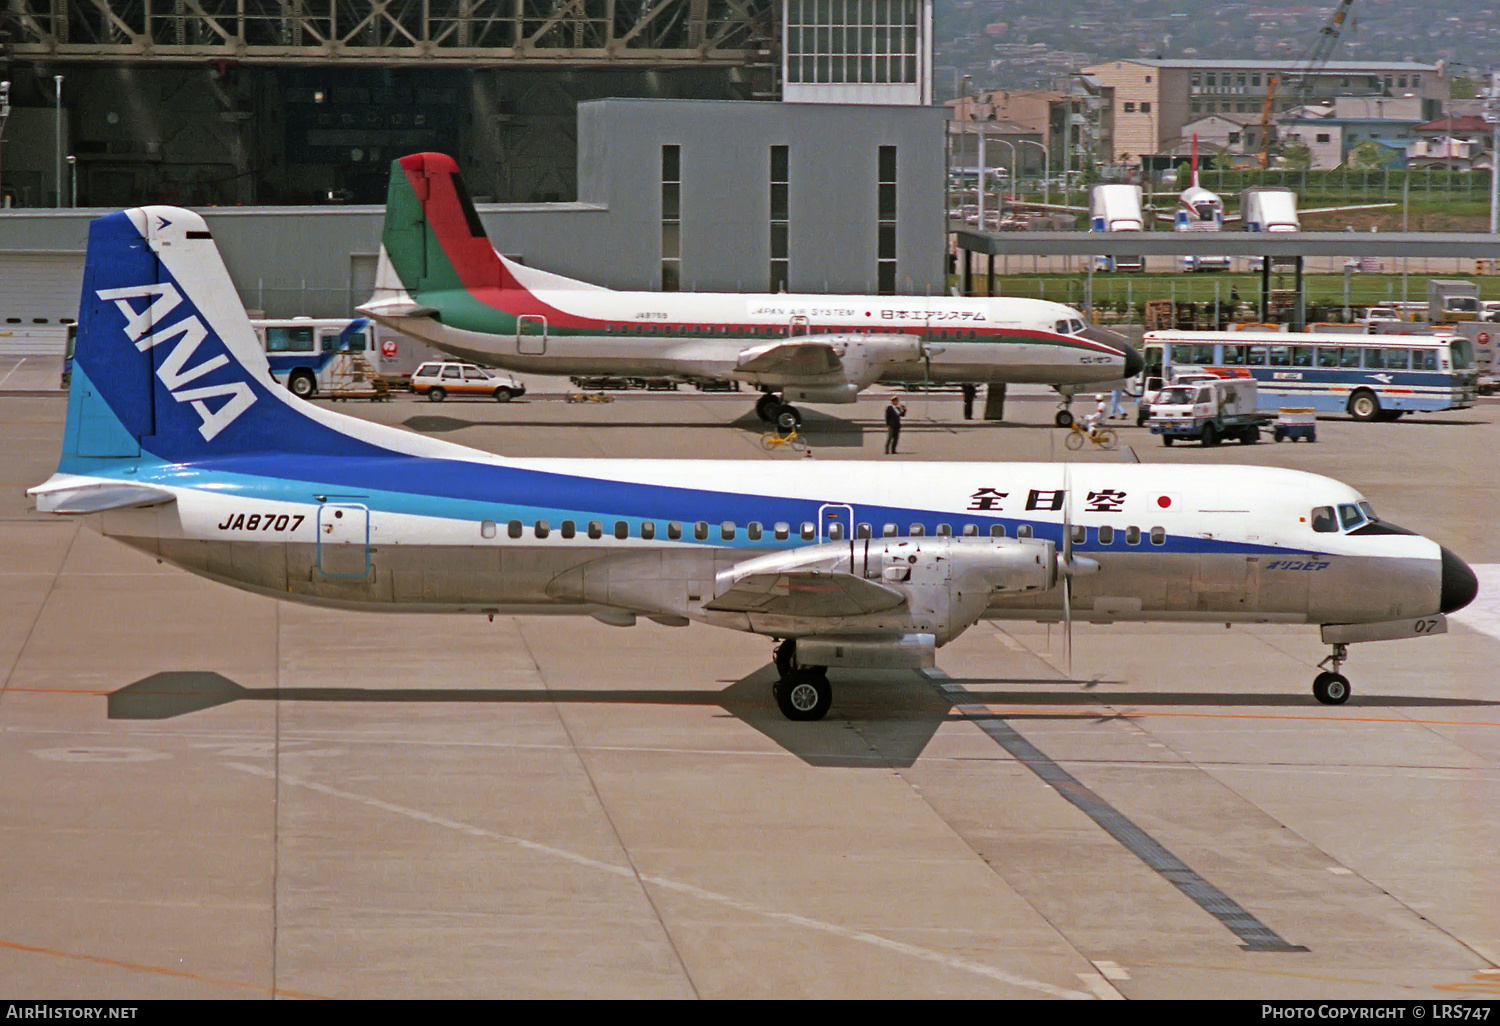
x: 1254, y: 935
x: 471, y: 492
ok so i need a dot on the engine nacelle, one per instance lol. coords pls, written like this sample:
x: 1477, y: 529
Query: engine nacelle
x: 866, y: 357
x: 928, y: 586
x: 949, y: 581
x: 831, y: 394
x: 908, y: 652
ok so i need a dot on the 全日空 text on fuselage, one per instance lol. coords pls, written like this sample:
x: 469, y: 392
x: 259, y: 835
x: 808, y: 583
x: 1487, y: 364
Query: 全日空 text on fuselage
x: 178, y: 443
x: 440, y: 280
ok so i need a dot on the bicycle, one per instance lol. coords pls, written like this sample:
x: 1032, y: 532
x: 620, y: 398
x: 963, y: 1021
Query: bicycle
x: 772, y: 440
x: 1104, y: 438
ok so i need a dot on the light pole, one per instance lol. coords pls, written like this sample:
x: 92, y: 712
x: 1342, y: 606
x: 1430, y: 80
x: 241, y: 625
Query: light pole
x: 949, y: 67
x: 1492, y: 115
x: 1000, y: 208
x: 1046, y: 169
x: 57, y: 131
x: 73, y: 178
x: 4, y: 114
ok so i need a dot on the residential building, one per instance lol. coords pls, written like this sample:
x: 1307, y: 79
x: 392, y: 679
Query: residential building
x: 1151, y: 101
x: 1019, y: 118
x: 1457, y: 143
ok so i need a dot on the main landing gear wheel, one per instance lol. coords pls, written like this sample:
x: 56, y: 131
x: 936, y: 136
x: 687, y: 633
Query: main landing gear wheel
x: 1331, y: 687
x: 1063, y: 419
x: 805, y: 695
x: 802, y: 692
x: 772, y: 410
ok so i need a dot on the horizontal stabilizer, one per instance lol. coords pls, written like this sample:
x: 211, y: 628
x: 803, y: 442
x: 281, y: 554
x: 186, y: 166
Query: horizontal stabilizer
x: 815, y: 593
x: 99, y: 498
x: 402, y: 306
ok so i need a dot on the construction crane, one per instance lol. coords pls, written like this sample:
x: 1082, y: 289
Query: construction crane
x: 1301, y: 80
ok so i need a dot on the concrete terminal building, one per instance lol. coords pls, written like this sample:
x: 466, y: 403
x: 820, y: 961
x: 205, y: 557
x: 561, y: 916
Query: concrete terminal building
x: 687, y: 172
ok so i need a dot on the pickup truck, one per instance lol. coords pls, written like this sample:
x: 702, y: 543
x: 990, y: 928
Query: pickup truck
x: 1209, y: 411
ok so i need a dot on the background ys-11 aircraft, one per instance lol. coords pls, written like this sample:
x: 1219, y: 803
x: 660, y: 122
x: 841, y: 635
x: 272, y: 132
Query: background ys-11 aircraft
x: 440, y: 280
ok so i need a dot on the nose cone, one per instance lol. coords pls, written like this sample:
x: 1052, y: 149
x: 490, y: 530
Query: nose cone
x: 1459, y: 584
x: 1133, y: 360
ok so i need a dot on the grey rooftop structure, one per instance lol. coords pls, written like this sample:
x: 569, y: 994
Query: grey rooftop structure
x: 1278, y: 245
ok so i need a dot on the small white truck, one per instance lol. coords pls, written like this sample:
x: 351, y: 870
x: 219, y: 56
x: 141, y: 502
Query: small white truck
x: 1117, y: 208
x: 1267, y: 209
x: 1153, y: 389
x: 1209, y: 412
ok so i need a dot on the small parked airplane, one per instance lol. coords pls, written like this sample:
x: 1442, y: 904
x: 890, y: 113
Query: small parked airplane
x: 182, y: 445
x: 441, y: 281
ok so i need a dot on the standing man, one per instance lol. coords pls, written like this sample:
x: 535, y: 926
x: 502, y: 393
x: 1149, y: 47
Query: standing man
x: 970, y: 392
x: 893, y: 415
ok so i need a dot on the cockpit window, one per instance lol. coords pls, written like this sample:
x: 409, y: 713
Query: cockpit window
x: 1369, y: 512
x: 1350, y: 516
x: 1062, y: 327
x: 1070, y: 327
x: 1323, y: 520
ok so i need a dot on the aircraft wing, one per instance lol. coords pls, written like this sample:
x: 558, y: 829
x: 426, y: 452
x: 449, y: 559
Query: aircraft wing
x: 791, y: 359
x: 810, y: 593
x: 1336, y: 210
x: 1321, y: 210
x: 1028, y: 205
x: 98, y: 497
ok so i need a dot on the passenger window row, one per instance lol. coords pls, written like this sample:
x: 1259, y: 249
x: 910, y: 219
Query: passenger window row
x: 1327, y: 357
x: 807, y: 531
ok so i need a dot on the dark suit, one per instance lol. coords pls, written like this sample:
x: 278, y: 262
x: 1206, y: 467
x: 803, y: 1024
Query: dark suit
x: 893, y: 414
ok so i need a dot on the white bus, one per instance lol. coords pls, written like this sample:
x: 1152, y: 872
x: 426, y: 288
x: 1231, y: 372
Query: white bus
x: 1371, y: 377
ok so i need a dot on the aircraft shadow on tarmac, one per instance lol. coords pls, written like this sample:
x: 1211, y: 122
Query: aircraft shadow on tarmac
x: 818, y: 428
x: 886, y: 719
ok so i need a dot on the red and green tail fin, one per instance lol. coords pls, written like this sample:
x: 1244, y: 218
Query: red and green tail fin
x: 432, y: 232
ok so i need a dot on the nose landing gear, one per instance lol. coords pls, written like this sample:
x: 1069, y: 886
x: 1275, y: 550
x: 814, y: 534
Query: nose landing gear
x: 1331, y: 687
x: 1064, y: 416
x: 802, y: 692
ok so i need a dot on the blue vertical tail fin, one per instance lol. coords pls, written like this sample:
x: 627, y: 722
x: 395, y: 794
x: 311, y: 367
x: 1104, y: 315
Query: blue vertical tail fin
x: 166, y: 365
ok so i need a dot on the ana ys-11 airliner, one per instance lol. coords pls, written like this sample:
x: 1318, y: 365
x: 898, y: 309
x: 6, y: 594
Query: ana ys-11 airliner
x: 179, y: 443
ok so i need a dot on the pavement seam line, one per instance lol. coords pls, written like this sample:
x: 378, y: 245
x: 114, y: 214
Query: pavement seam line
x: 627, y: 872
x: 609, y: 819
x: 41, y: 607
